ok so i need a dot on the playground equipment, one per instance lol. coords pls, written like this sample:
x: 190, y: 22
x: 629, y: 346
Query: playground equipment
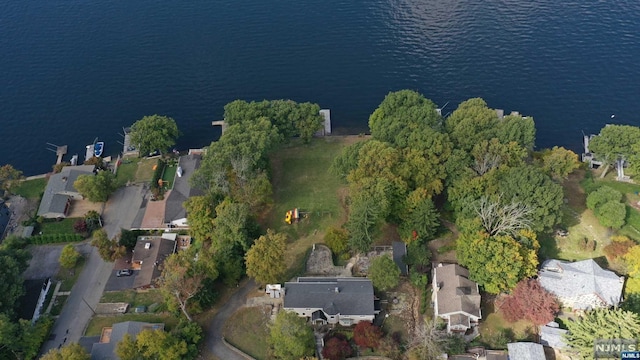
x: 293, y: 216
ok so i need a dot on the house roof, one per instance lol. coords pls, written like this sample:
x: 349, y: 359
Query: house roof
x: 354, y: 296
x: 105, y: 351
x: 525, y: 351
x: 551, y: 335
x: 399, y: 252
x: 182, y: 190
x: 566, y: 279
x: 456, y: 292
x: 150, y: 259
x: 60, y: 184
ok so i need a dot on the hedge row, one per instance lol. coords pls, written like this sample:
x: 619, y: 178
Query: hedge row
x: 55, y: 238
x: 157, y: 173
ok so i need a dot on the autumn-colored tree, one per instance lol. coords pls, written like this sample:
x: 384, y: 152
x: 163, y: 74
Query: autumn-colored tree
x: 336, y: 348
x: 559, y: 162
x: 632, y: 259
x: 69, y: 256
x: 179, y: 281
x: 9, y: 176
x: 265, y: 260
x: 80, y: 227
x: 618, y: 247
x: 108, y: 249
x: 367, y: 335
x: 337, y: 239
x: 69, y: 352
x: 530, y: 301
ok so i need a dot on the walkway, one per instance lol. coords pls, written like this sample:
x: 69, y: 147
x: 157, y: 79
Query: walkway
x: 214, y: 343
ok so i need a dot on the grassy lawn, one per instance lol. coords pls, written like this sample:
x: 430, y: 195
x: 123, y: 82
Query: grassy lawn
x: 126, y: 172
x: 132, y: 297
x: 394, y: 324
x: 30, y: 189
x: 98, y: 322
x: 632, y: 226
x: 64, y: 226
x: 301, y: 179
x: 169, y: 175
x: 145, y: 169
x: 247, y: 330
x: 69, y: 277
x: 58, y: 304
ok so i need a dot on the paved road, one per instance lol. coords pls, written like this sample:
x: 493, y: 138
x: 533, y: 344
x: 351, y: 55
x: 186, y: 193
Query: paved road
x: 213, y: 340
x: 87, y: 291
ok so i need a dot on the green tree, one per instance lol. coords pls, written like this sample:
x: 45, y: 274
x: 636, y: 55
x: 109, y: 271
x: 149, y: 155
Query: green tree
x: 602, y: 195
x: 9, y: 176
x: 153, y: 344
x: 384, y: 273
x: 363, y: 220
x: 498, y: 263
x: 265, y: 260
x: 347, y: 160
x: 615, y: 141
x: 179, y: 281
x: 612, y: 214
x: 632, y: 303
x: 337, y: 239
x: 488, y: 155
x: 126, y: 349
x: 108, y: 249
x: 96, y: 188
x: 290, y: 338
x: 471, y: 123
x: 69, y: 256
x: 520, y: 129
x: 600, y: 324
x: 14, y: 260
x: 200, y: 217
x: 153, y: 133
x: 231, y: 224
x: 559, y: 162
x: 72, y: 351
x: 420, y: 218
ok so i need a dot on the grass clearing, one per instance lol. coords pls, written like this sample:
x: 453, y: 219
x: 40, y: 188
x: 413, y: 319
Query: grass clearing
x: 301, y: 179
x: 126, y: 172
x: 64, y: 226
x: 133, y: 298
x: 632, y: 224
x: 100, y: 321
x: 144, y: 173
x: 30, y: 189
x: 68, y: 277
x: 169, y: 175
x: 247, y: 330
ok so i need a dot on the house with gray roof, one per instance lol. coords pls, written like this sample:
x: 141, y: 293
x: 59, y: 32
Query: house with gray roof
x: 525, y: 351
x: 60, y: 192
x: 552, y: 335
x: 456, y: 299
x: 175, y: 214
x: 344, y: 301
x: 111, y: 336
x: 581, y: 285
x: 148, y: 257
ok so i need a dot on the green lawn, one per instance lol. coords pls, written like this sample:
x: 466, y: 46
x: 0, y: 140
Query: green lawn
x: 632, y: 227
x: 69, y: 277
x: 169, y: 175
x: 144, y: 173
x: 126, y: 172
x: 64, y: 226
x: 301, y: 179
x: 30, y: 189
x: 99, y: 321
x: 247, y: 330
x: 134, y: 298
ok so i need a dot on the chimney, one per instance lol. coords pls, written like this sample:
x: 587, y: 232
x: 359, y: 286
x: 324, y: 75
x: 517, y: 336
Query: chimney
x: 336, y: 290
x: 147, y: 245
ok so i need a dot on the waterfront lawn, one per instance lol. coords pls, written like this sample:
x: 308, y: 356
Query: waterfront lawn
x: 64, y: 226
x: 133, y: 298
x: 126, y: 172
x: 100, y: 321
x: 144, y: 173
x: 169, y: 175
x: 30, y: 189
x: 247, y: 329
x: 301, y: 179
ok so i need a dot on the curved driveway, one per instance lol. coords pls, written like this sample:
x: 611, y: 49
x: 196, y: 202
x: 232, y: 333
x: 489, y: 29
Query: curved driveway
x: 214, y: 342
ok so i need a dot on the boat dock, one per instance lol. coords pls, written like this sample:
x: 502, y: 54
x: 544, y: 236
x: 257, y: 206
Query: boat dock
x: 220, y: 123
x: 127, y: 148
x: 60, y: 151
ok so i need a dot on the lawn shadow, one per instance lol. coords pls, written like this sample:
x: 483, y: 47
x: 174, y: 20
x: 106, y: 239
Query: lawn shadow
x: 548, y: 247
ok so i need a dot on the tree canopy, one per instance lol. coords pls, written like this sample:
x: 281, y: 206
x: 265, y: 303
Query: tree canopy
x: 96, y: 188
x: 384, y: 273
x: 608, y: 207
x: 290, y: 338
x: 72, y: 351
x: 180, y: 281
x: 266, y: 259
x: 529, y: 300
x: 153, y: 133
x: 9, y: 176
x: 108, y: 249
x: 559, y: 162
x: 69, y: 256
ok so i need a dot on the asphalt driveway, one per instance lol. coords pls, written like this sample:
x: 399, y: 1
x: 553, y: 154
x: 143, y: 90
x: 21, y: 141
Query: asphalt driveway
x: 116, y: 283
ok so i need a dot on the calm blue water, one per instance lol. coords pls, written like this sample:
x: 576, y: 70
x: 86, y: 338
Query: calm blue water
x: 73, y: 70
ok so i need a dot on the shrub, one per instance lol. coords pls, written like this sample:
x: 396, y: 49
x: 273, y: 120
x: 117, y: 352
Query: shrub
x: 367, y: 335
x: 337, y: 240
x: 336, y: 348
x: 618, y: 247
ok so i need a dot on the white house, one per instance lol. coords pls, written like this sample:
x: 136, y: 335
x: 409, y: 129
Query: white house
x: 344, y: 301
x: 456, y: 299
x: 581, y: 285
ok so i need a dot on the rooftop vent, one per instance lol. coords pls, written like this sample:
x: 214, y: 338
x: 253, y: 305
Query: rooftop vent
x: 147, y: 246
x: 337, y: 290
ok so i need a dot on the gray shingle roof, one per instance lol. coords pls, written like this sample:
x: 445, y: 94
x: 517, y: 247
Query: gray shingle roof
x: 354, y: 295
x: 399, y: 252
x: 525, y: 351
x: 151, y: 259
x: 566, y: 279
x: 60, y: 185
x: 181, y: 189
x: 457, y: 293
x: 105, y: 351
x: 551, y: 335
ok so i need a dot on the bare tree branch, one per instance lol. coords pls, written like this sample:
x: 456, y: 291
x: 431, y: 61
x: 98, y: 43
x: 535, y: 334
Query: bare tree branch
x: 499, y: 219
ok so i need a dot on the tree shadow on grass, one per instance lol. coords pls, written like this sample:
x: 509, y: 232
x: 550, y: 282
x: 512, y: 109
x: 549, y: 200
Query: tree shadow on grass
x: 548, y: 247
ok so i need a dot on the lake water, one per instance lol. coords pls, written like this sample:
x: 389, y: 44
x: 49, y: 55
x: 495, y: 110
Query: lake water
x: 74, y: 70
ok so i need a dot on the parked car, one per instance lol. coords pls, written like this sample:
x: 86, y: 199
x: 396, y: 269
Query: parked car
x: 125, y: 272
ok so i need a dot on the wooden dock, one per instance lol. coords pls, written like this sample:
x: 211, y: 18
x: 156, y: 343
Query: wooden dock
x: 60, y: 151
x: 220, y: 123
